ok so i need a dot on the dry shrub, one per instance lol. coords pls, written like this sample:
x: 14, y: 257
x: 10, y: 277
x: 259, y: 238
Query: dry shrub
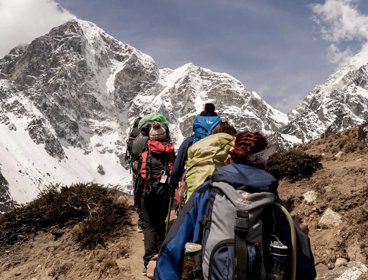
x: 293, y: 165
x: 106, y: 216
x: 353, y: 146
x: 61, y: 205
x: 60, y: 270
x: 109, y: 267
x: 350, y: 141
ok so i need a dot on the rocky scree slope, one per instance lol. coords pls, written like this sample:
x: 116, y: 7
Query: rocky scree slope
x: 333, y: 202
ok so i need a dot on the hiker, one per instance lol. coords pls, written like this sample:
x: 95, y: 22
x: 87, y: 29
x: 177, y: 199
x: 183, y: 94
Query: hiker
x: 129, y: 157
x: 156, y: 164
x: 137, y: 147
x: 207, y: 154
x: 133, y: 160
x: 226, y: 210
x: 202, y: 127
x: 203, y: 157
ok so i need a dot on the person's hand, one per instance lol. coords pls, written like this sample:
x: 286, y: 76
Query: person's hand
x: 302, y: 225
x: 172, y: 191
x: 151, y: 267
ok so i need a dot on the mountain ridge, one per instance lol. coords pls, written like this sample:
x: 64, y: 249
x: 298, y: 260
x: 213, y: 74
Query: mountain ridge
x: 68, y: 99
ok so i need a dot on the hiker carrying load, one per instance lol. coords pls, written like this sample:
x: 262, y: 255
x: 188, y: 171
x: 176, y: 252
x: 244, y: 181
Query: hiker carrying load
x: 235, y: 227
x: 207, y: 154
x: 203, y: 157
x: 202, y: 127
x: 129, y: 157
x: 156, y: 164
x: 138, y: 145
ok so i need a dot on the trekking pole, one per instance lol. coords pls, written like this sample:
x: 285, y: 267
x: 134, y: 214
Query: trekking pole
x: 168, y: 216
x: 293, y: 240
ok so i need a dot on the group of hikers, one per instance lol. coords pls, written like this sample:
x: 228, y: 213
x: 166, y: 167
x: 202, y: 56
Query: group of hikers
x: 231, y: 223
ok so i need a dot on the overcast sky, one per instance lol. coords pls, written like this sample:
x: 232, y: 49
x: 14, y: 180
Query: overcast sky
x: 279, y: 48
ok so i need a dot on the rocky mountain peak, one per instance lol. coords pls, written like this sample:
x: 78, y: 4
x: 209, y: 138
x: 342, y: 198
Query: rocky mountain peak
x: 337, y: 105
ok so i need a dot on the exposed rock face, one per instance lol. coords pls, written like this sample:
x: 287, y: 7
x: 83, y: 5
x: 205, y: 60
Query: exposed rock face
x: 6, y: 202
x: 65, y: 75
x: 40, y: 134
x: 339, y: 104
x: 183, y: 92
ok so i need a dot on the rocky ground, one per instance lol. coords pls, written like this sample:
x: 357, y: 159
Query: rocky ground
x: 332, y: 201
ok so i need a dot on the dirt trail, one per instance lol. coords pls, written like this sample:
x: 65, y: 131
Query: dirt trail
x: 134, y: 263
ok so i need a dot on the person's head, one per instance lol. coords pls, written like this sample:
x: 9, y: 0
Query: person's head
x: 157, y: 132
x: 209, y: 110
x: 249, y: 148
x: 224, y: 127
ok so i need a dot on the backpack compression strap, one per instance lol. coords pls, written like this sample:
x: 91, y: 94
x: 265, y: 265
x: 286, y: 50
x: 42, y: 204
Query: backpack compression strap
x: 240, y: 246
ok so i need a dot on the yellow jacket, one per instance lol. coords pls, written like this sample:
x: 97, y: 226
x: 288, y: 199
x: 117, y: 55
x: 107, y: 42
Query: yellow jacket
x: 204, y: 156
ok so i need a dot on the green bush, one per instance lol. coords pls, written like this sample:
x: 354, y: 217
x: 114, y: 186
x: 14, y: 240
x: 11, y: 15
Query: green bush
x: 293, y: 165
x: 58, y: 206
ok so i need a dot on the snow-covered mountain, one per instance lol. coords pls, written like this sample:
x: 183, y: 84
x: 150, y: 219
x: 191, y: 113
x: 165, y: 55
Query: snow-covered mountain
x: 337, y: 105
x: 68, y: 98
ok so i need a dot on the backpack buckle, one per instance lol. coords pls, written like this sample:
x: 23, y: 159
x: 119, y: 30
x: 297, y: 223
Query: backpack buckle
x: 242, y: 221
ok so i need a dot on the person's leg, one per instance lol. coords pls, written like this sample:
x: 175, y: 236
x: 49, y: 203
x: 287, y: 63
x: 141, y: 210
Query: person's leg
x: 159, y: 223
x: 149, y: 231
x: 137, y: 200
x: 140, y: 219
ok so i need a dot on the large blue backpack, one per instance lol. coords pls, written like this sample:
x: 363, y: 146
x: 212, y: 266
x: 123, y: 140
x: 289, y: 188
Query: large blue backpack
x: 203, y: 126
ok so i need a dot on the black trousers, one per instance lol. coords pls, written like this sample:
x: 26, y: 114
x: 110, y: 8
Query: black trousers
x: 140, y: 217
x: 137, y: 197
x: 154, y: 215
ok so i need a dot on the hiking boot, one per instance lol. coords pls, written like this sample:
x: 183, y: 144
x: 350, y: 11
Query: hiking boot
x: 139, y: 228
x: 144, y: 271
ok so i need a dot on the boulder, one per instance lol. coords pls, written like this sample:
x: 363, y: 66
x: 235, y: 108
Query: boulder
x: 310, y: 197
x: 341, y: 262
x: 330, y: 218
x: 355, y: 253
x: 352, y: 271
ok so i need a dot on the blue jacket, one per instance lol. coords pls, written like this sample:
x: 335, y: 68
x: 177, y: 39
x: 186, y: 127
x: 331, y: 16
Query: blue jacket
x: 179, y: 164
x: 186, y: 228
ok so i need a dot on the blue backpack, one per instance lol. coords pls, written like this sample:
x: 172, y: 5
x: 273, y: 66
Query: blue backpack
x: 203, y: 126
